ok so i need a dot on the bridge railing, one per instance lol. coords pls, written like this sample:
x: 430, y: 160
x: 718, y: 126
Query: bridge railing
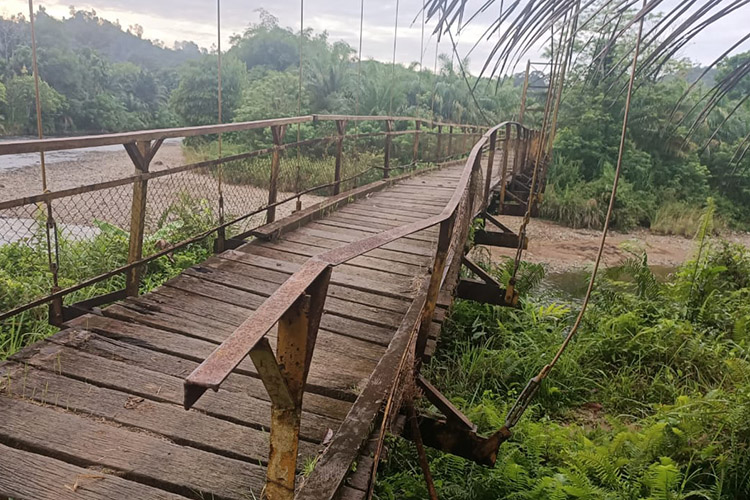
x: 297, y: 306
x: 82, y: 244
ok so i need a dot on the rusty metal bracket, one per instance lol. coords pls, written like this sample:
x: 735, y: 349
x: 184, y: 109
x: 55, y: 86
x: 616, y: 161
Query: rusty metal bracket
x: 443, y: 404
x: 457, y: 440
x: 487, y: 291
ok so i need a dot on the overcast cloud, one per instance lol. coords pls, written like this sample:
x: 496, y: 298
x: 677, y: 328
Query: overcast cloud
x: 173, y: 20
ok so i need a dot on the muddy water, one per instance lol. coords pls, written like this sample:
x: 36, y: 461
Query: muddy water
x: 571, y: 284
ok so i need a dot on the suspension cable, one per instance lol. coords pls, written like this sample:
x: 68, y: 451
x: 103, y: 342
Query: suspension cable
x: 299, y: 100
x: 510, y: 295
x: 50, y: 225
x: 532, y: 386
x: 221, y: 165
x: 393, y: 63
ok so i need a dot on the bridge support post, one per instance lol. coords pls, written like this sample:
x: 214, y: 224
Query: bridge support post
x: 490, y: 161
x: 415, y: 152
x: 141, y: 153
x: 433, y: 289
x: 278, y: 132
x: 284, y: 377
x: 388, y: 147
x: 506, y: 150
x: 450, y: 141
x: 341, y: 129
x: 439, y: 153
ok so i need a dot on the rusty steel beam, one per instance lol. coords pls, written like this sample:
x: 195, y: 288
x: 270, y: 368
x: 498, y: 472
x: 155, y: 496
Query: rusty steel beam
x: 298, y: 331
x: 443, y: 404
x: 278, y: 132
x: 485, y: 293
x: 490, y: 161
x: 498, y: 239
x: 459, y: 441
x: 141, y: 153
x: 388, y: 147
x: 341, y: 130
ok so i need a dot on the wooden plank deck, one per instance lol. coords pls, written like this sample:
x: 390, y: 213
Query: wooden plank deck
x: 96, y: 410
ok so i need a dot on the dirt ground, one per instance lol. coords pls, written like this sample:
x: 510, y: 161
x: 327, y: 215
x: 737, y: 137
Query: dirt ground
x: 561, y: 248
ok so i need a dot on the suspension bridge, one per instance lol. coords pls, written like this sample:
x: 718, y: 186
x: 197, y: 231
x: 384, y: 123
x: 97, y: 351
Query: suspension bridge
x: 276, y: 366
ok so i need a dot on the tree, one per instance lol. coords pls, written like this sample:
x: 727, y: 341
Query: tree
x: 21, y: 103
x: 195, y: 100
x: 266, y: 44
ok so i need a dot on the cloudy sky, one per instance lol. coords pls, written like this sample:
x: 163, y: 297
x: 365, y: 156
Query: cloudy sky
x: 172, y: 20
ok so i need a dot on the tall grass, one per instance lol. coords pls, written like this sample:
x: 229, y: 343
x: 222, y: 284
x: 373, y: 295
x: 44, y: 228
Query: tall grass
x: 651, y: 400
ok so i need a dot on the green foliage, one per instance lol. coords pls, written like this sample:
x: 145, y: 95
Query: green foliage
x: 24, y: 272
x: 21, y: 114
x: 650, y: 401
x: 196, y: 97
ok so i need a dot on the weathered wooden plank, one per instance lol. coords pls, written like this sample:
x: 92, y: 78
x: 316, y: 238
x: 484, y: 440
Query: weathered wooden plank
x: 192, y: 429
x: 241, y: 279
x: 175, y: 366
x: 326, y: 228
x: 157, y: 387
x: 219, y: 318
x: 348, y: 277
x: 274, y: 279
x: 400, y: 283
x: 300, y: 218
x: 404, y: 246
x: 29, y: 475
x: 349, y: 374
x: 239, y: 292
x: 378, y: 215
x: 136, y: 455
x: 390, y: 259
x: 363, y: 226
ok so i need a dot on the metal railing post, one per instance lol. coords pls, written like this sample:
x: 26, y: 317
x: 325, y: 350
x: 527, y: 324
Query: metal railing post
x: 436, y: 280
x: 450, y: 142
x: 284, y: 377
x: 506, y: 150
x: 415, y: 152
x: 439, y: 155
x: 341, y: 129
x: 278, y: 132
x: 141, y: 153
x: 388, y: 146
x: 490, y: 162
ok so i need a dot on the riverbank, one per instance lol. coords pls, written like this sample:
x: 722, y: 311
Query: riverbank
x: 561, y: 249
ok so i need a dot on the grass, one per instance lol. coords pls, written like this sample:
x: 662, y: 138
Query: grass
x: 25, y: 276
x: 651, y: 401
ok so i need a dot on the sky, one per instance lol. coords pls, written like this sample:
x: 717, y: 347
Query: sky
x: 174, y: 20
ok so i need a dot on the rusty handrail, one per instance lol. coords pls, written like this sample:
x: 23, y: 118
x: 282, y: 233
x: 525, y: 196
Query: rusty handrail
x: 66, y: 143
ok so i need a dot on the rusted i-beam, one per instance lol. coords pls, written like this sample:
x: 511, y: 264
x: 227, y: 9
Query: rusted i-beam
x: 141, y: 153
x: 388, y: 147
x: 490, y: 161
x: 341, y: 130
x: 278, y: 132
